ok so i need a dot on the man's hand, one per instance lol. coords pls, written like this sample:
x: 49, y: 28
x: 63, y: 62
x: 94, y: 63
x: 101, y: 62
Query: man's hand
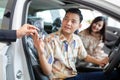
x: 38, y: 42
x: 26, y: 29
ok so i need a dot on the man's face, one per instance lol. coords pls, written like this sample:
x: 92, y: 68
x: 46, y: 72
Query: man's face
x: 70, y: 23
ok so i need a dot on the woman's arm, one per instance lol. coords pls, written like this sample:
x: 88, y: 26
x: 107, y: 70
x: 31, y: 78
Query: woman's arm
x: 96, y: 61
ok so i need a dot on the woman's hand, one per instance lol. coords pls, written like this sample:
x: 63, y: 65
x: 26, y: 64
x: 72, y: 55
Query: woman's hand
x: 104, y: 61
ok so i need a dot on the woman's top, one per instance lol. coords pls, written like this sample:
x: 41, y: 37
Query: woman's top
x: 93, y: 44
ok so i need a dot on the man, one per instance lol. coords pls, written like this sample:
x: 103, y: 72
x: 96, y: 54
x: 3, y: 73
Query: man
x: 59, y: 50
x: 11, y: 35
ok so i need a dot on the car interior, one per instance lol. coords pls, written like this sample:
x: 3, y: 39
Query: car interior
x: 112, y: 44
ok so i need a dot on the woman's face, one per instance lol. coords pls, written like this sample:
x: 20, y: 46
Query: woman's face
x: 96, y: 27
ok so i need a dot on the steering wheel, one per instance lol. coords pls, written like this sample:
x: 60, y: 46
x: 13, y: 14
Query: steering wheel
x: 114, y: 59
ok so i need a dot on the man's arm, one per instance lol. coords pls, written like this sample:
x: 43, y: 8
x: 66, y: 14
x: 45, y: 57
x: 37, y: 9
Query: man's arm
x: 12, y: 35
x: 40, y: 46
x: 8, y: 35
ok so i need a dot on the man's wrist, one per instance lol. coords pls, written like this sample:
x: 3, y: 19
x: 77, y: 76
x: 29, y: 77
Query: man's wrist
x: 17, y: 34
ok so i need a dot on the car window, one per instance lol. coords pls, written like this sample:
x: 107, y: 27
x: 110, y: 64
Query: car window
x: 3, y: 4
x: 113, y: 22
x: 89, y: 15
x: 50, y: 15
x: 1, y: 15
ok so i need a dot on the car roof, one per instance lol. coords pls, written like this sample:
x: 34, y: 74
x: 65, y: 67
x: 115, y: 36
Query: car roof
x: 104, y: 6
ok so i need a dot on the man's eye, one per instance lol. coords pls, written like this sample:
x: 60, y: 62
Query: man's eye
x: 65, y: 18
x: 73, y: 21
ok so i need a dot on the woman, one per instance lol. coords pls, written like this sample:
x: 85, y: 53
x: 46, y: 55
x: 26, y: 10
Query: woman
x: 94, y: 37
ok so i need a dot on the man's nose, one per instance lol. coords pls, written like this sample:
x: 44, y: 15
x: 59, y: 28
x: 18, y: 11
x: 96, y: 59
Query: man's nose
x: 69, y: 22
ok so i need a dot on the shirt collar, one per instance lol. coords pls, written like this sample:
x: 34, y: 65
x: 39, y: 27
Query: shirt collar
x: 62, y: 37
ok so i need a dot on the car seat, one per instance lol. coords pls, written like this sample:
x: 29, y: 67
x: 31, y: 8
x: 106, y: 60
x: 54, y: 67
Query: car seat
x: 32, y: 54
x: 56, y: 24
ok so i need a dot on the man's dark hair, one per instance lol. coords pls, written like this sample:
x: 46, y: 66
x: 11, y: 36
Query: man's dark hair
x: 76, y: 11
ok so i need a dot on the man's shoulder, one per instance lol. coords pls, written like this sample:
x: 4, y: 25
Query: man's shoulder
x: 51, y: 37
x: 76, y: 36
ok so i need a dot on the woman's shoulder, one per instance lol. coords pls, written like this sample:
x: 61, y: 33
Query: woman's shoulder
x: 84, y: 33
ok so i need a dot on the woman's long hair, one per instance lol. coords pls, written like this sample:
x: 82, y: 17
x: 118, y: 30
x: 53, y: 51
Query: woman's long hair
x: 102, y: 31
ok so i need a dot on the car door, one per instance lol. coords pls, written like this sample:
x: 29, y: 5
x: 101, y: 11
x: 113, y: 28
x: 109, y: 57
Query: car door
x: 4, y: 24
x: 13, y: 65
